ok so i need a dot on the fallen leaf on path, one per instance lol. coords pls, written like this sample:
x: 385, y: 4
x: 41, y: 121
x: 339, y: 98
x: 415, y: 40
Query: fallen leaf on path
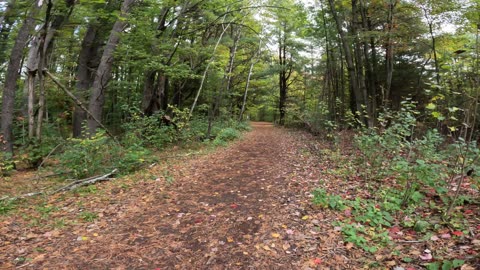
x: 457, y: 233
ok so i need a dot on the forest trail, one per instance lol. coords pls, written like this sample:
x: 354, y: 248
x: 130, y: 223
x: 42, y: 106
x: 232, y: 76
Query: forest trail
x: 246, y: 206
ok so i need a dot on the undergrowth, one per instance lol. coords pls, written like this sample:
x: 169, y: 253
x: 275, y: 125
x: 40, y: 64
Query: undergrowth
x: 412, y: 181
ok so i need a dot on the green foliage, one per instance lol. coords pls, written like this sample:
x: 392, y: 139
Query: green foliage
x: 226, y: 135
x: 321, y: 198
x: 99, y: 154
x: 88, y: 216
x: 445, y: 265
x: 6, y: 163
x: 7, y: 206
x: 148, y: 131
x: 367, y: 222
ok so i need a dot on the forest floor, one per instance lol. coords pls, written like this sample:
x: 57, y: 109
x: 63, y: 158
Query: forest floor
x: 245, y: 206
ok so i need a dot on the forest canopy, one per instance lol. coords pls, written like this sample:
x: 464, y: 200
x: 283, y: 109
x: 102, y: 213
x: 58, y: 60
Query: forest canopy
x: 150, y: 69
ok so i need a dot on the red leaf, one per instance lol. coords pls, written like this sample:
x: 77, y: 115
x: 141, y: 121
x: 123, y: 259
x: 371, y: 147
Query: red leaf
x: 457, y: 233
x: 394, y: 229
x: 233, y: 206
x: 468, y: 212
x: 317, y: 261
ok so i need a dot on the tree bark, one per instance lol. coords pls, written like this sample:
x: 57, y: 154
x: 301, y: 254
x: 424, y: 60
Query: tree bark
x: 8, y: 100
x: 354, y: 88
x: 6, y: 23
x: 87, y: 61
x: 389, y: 52
x: 207, y: 68
x: 103, y: 73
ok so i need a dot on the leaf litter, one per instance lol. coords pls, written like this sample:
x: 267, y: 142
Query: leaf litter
x: 245, y: 206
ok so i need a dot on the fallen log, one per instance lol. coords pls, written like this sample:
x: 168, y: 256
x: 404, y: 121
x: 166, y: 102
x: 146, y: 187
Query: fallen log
x: 69, y: 187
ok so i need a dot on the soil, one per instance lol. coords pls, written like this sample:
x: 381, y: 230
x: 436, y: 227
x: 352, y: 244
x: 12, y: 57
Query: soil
x: 246, y: 206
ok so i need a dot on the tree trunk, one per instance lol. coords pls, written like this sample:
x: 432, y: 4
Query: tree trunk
x: 87, y: 61
x: 246, y: 91
x: 103, y: 73
x: 434, y: 49
x: 43, y: 46
x: 206, y: 69
x: 8, y: 100
x: 389, y: 53
x: 6, y: 23
x: 153, y: 93
x: 354, y: 88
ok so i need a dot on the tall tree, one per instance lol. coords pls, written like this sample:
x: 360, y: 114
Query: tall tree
x: 103, y: 73
x: 8, y: 98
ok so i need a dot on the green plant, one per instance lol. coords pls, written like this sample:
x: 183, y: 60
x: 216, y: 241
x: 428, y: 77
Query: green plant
x: 6, y: 163
x: 321, y: 198
x: 168, y: 177
x: 226, y: 135
x: 92, y: 189
x: 88, y: 216
x: 59, y: 223
x: 99, y: 154
x: 6, y: 206
x: 445, y: 265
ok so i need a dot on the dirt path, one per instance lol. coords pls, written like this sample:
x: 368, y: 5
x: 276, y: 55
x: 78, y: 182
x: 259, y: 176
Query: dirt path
x: 246, y: 206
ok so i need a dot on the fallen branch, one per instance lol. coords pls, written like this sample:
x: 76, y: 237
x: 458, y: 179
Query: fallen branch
x: 85, y: 182
x: 71, y: 186
x: 80, y: 104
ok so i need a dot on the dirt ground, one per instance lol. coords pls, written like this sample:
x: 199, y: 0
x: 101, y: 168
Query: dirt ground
x: 246, y: 206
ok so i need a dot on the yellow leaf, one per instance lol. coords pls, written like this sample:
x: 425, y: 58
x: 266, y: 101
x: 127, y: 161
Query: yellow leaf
x: 229, y: 239
x: 275, y: 235
x: 95, y: 234
x: 305, y: 217
x: 84, y: 238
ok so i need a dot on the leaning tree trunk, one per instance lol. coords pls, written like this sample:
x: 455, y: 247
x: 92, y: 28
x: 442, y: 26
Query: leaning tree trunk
x: 6, y: 136
x: 103, y: 74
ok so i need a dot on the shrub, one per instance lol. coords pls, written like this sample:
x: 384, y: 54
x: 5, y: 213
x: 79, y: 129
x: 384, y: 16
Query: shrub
x: 99, y: 154
x: 226, y: 135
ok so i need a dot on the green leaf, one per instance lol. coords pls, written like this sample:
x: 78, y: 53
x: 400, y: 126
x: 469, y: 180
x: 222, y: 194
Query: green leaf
x: 453, y: 109
x: 438, y: 116
x: 431, y: 106
x: 457, y: 263
x: 433, y: 266
x: 447, y: 265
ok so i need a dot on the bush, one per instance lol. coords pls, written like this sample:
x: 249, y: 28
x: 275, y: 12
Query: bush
x: 6, y: 163
x: 149, y: 131
x: 226, y: 135
x: 100, y: 154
